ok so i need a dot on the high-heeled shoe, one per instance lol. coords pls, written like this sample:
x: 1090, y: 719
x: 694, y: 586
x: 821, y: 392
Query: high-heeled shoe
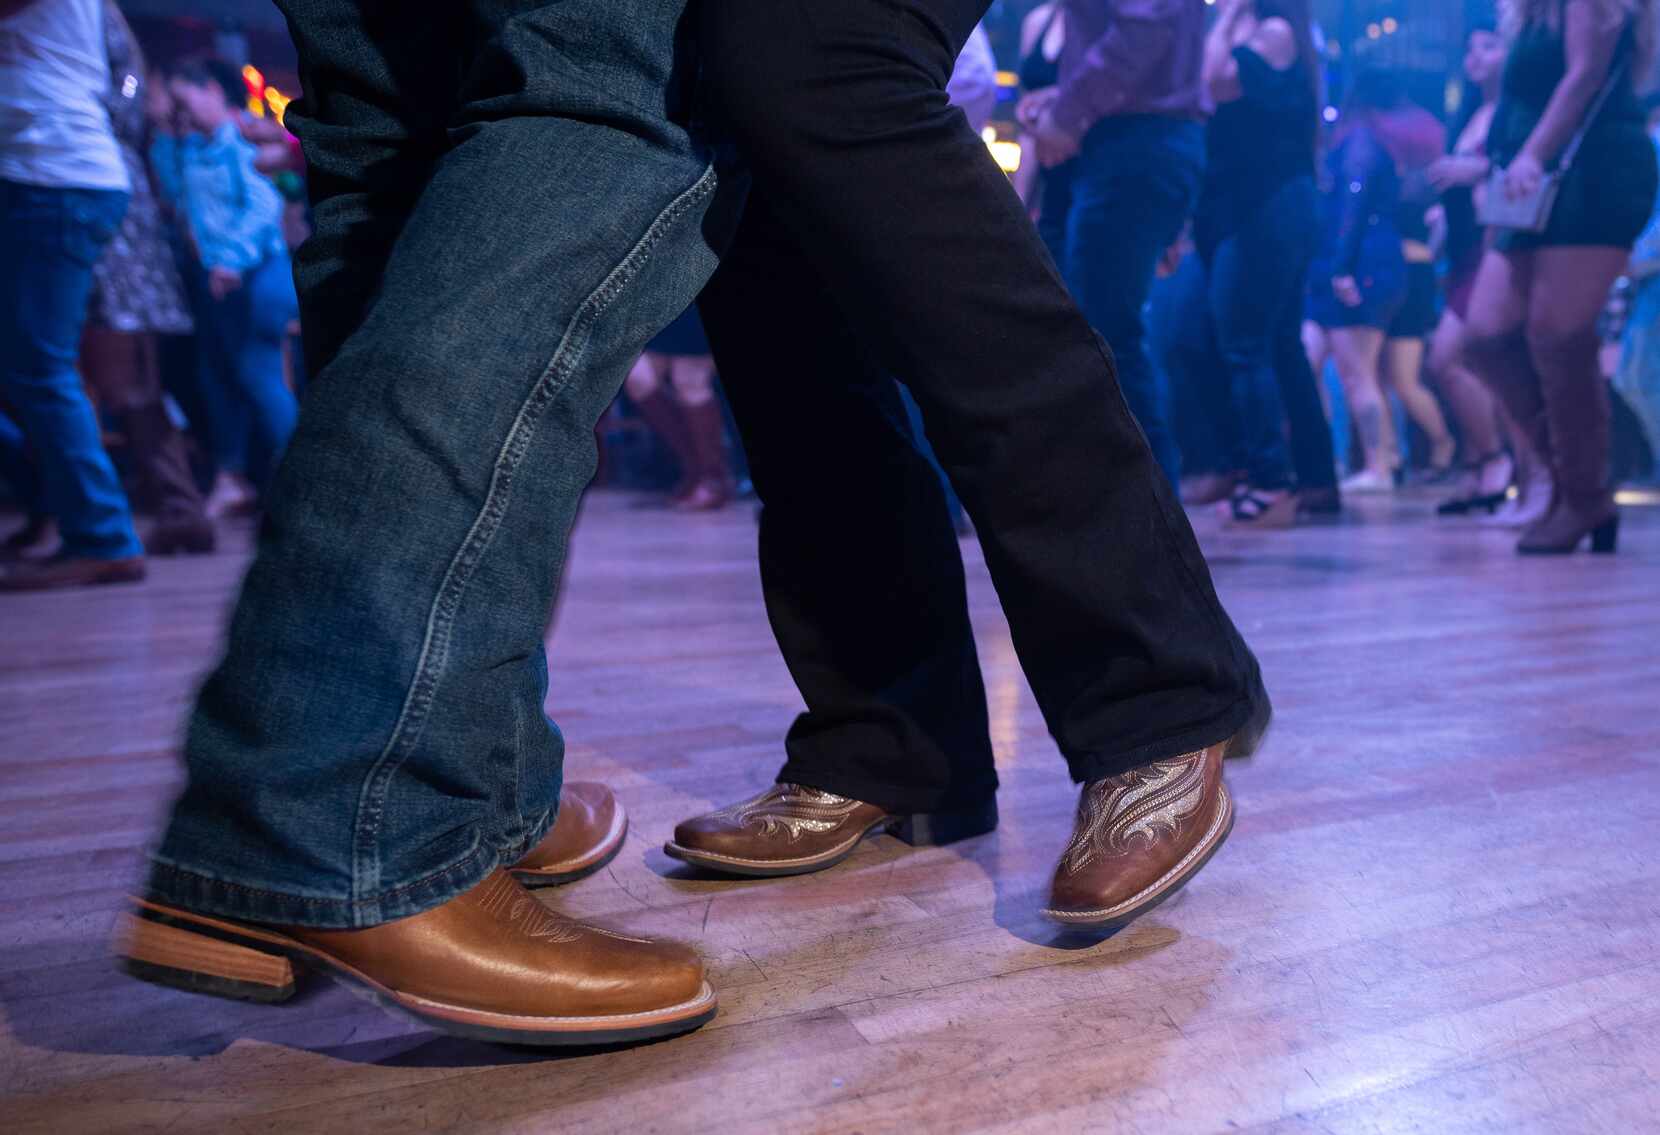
x: 1560, y: 533
x: 1260, y: 508
x: 1485, y: 486
x: 1531, y: 504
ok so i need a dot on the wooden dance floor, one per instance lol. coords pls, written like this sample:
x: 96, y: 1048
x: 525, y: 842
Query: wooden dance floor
x: 1439, y: 911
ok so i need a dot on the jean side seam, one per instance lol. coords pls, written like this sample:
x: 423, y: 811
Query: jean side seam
x: 446, y: 604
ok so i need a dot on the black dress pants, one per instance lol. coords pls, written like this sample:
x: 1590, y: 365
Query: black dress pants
x: 880, y: 238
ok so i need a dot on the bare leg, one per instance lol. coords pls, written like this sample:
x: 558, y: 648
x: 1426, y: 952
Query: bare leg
x: 1403, y: 370
x: 1470, y: 402
x: 1357, y: 351
x: 1318, y: 346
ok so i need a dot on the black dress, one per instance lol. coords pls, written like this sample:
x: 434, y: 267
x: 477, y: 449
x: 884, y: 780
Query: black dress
x: 1255, y: 145
x: 1608, y: 194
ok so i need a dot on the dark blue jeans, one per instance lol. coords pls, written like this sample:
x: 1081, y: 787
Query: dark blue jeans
x: 49, y: 241
x: 1256, y: 284
x: 373, y: 742
x: 250, y: 409
x: 1127, y: 194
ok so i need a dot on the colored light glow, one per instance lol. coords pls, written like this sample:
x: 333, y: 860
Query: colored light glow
x: 278, y: 102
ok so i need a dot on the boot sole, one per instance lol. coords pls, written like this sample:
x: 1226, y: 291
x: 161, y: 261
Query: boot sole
x: 922, y: 829
x: 1121, y: 914
x: 199, y: 954
x: 595, y: 861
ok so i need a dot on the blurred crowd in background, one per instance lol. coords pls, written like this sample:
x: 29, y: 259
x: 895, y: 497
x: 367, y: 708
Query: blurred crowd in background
x: 1293, y: 280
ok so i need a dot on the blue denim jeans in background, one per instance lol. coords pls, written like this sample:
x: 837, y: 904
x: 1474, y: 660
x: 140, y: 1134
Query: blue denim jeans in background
x: 17, y: 467
x: 50, y: 238
x: 1127, y: 195
x: 251, y: 409
x: 373, y: 742
x: 1257, y: 279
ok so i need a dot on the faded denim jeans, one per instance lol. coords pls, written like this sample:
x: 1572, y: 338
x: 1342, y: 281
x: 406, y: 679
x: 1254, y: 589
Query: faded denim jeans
x: 509, y: 203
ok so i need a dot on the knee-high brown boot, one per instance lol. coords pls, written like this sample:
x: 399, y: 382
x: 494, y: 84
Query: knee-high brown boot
x: 707, y: 427
x: 163, y: 470
x: 664, y: 416
x: 1579, y: 420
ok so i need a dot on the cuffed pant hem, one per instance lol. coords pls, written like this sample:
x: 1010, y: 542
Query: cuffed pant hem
x: 205, y: 894
x: 1089, y: 767
x: 899, y: 801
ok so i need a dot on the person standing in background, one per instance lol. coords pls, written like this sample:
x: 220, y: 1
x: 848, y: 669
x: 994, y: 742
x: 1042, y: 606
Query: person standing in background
x: 1255, y: 243
x: 1126, y: 116
x: 1416, y: 139
x: 1533, y: 318
x: 1638, y: 374
x: 233, y: 216
x: 1488, y: 470
x: 136, y: 296
x: 63, y: 192
x: 1358, y: 280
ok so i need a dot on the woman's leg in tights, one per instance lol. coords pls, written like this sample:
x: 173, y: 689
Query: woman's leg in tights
x: 1357, y: 351
x: 1403, y: 372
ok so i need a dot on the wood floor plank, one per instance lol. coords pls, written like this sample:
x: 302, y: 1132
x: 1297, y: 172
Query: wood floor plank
x: 1439, y: 911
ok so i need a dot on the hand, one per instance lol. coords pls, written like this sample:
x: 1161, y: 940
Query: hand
x: 1055, y: 144
x: 1522, y: 177
x: 1171, y: 261
x: 1346, y: 290
x: 1458, y: 170
x: 1031, y: 106
x: 223, y: 281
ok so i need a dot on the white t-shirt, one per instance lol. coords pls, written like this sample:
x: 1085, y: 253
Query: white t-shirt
x: 54, y: 74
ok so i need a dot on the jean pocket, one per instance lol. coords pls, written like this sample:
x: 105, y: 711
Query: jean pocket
x: 89, y: 219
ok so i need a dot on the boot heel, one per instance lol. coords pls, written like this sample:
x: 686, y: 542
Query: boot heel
x: 1605, y: 537
x: 934, y: 829
x: 166, y: 953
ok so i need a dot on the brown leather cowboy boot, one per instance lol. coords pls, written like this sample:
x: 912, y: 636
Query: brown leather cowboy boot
x: 586, y: 835
x: 706, y: 426
x: 1141, y: 835
x: 492, y: 963
x: 791, y: 829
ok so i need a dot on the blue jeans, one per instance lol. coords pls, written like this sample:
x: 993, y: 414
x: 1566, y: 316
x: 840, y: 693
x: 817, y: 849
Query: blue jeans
x: 251, y: 410
x: 17, y: 467
x: 1127, y: 195
x: 484, y: 273
x: 49, y: 241
x: 1256, y: 287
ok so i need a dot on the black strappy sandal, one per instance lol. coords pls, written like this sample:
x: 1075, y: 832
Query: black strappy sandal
x: 1255, y: 508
